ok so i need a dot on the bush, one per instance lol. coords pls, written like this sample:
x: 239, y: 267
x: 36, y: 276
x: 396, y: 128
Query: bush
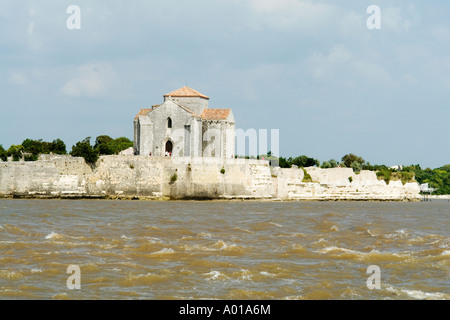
x: 15, y: 151
x: 356, y: 166
x: 306, y: 176
x: 30, y: 157
x: 283, y: 163
x: 325, y: 165
x: 222, y: 171
x: 3, y: 154
x: 173, y: 178
x: 406, y: 176
x: 384, y: 173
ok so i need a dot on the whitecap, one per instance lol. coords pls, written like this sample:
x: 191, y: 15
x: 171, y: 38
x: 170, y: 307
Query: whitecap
x: 53, y: 235
x: 417, y: 294
x: 245, y: 275
x: 215, y: 275
x: 333, y: 248
x: 276, y: 224
x: 165, y: 251
x: 204, y: 235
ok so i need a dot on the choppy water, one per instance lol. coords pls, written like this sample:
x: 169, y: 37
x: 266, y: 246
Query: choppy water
x: 224, y: 250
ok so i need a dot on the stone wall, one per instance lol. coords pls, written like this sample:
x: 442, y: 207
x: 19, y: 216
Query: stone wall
x: 191, y: 178
x: 341, y: 184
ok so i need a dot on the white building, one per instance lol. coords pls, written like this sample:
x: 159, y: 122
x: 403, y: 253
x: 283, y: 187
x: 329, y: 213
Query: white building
x: 184, y: 126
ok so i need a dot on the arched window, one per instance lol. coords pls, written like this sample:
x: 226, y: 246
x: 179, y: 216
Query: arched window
x: 169, y: 123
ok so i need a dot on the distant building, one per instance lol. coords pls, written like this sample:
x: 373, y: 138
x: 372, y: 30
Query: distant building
x: 184, y: 126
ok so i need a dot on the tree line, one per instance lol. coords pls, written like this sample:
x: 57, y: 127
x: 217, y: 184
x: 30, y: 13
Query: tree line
x: 438, y: 178
x: 29, y: 149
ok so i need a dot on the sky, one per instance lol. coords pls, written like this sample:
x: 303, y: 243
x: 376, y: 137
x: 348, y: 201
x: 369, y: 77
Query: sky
x: 312, y: 69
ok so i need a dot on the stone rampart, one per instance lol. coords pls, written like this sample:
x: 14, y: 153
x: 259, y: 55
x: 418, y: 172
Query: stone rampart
x: 190, y: 178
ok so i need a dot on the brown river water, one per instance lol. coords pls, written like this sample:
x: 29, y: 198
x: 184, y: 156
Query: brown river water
x: 224, y: 249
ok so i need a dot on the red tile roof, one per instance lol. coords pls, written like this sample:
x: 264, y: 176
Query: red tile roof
x: 215, y: 114
x: 185, y: 92
x: 143, y: 112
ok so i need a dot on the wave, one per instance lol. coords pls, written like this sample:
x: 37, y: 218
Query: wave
x: 12, y: 229
x: 54, y: 236
x: 418, y: 294
x: 373, y: 255
x: 276, y: 224
x: 267, y: 274
x: 297, y: 248
x: 10, y: 275
x: 204, y: 235
x: 164, y: 251
x: 142, y: 279
x: 223, y: 246
x: 243, y: 274
x: 215, y: 275
x: 400, y: 233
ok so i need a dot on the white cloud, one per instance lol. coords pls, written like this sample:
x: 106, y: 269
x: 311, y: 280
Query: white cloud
x: 392, y: 19
x: 441, y: 33
x: 92, y: 80
x: 284, y: 14
x: 342, y: 66
x: 17, y: 78
x: 30, y: 28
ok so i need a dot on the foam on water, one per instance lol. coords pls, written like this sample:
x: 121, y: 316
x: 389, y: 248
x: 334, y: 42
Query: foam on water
x: 215, y: 275
x: 418, y: 294
x: 54, y: 236
x: 164, y: 251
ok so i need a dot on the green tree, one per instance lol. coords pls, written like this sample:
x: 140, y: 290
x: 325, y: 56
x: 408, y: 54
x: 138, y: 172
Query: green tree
x: 32, y: 146
x: 304, y: 161
x: 15, y: 151
x: 102, y: 145
x: 37, y: 147
x: 119, y: 144
x: 348, y: 159
x: 58, y: 147
x: 84, y: 149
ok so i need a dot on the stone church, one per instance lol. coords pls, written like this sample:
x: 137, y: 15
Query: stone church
x: 184, y: 126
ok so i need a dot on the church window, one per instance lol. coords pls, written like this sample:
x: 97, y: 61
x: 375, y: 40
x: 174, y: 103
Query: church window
x: 169, y: 123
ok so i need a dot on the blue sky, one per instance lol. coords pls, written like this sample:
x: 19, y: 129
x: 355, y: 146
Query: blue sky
x: 309, y: 68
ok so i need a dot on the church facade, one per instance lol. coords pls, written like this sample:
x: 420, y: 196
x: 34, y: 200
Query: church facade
x: 184, y: 126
